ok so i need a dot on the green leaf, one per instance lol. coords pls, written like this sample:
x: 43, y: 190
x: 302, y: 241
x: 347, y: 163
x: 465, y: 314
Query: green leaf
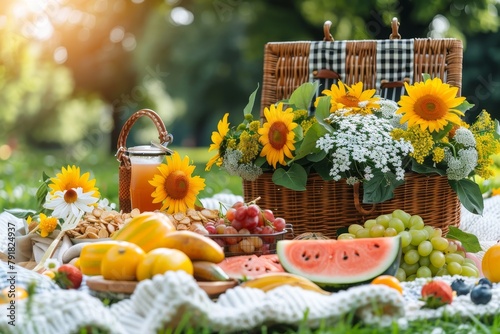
x: 251, y: 100
x: 469, y: 241
x: 260, y: 161
x: 21, y: 213
x: 469, y: 194
x: 380, y: 188
x: 464, y: 106
x: 426, y: 169
x: 42, y: 190
x: 295, y: 178
x: 317, y: 156
x: 323, y: 167
x: 323, y: 111
x: 496, y: 133
x: 299, y: 133
x: 426, y: 76
x: 438, y: 135
x: 308, y: 145
x: 303, y: 95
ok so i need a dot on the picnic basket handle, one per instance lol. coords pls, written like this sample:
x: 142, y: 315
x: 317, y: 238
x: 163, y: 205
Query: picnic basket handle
x: 395, y: 29
x: 326, y: 31
x: 329, y: 38
x: 163, y: 135
x: 357, y: 203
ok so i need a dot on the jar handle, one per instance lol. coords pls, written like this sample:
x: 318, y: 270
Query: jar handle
x: 163, y: 135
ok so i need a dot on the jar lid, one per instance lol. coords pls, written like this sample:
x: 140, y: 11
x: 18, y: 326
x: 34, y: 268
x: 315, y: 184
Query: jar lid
x: 146, y: 150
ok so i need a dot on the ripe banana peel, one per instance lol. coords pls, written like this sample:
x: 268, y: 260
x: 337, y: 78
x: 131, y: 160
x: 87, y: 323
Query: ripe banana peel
x: 267, y: 282
x: 208, y: 271
x: 196, y: 246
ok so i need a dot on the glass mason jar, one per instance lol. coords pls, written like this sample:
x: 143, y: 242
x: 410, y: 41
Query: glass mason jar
x: 144, y: 162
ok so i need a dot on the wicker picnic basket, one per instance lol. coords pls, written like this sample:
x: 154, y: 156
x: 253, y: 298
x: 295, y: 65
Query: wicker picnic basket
x: 326, y: 206
x: 124, y: 169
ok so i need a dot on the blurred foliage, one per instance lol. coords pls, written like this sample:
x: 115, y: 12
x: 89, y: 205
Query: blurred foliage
x: 78, y: 67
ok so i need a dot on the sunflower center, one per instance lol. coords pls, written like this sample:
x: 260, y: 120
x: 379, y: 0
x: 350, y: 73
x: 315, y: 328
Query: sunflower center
x: 349, y: 101
x: 70, y: 196
x: 278, y: 135
x: 177, y: 185
x: 430, y: 107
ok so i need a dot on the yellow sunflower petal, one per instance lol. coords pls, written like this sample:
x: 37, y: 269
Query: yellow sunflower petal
x: 430, y: 105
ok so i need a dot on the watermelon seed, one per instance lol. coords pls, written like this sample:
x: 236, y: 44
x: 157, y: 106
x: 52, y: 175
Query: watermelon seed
x: 376, y: 245
x: 305, y: 256
x: 356, y: 253
x: 345, y: 257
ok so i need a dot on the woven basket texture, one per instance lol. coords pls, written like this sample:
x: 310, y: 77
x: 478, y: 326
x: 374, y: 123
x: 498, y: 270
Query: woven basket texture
x: 326, y: 206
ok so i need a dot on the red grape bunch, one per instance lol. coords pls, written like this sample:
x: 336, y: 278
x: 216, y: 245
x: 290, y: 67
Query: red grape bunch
x: 246, y: 219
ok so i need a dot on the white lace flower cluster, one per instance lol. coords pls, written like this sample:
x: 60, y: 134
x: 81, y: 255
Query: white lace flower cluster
x: 231, y: 163
x: 461, y: 164
x: 388, y: 111
x: 361, y: 145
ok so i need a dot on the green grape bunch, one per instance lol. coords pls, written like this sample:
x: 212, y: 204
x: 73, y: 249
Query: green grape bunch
x: 425, y: 251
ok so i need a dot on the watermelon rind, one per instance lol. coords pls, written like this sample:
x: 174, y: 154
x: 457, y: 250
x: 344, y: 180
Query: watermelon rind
x: 338, y: 264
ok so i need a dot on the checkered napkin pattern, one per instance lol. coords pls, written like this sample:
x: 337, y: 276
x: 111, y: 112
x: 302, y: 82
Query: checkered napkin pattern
x: 394, y: 60
x: 327, y: 56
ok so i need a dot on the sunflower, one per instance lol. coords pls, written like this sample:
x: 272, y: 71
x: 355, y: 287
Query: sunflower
x: 276, y: 135
x: 70, y: 178
x: 353, y: 98
x: 217, y: 139
x: 431, y: 104
x: 175, y: 186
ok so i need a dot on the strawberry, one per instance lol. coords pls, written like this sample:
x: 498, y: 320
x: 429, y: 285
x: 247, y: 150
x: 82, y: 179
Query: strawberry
x: 68, y: 277
x: 436, y: 293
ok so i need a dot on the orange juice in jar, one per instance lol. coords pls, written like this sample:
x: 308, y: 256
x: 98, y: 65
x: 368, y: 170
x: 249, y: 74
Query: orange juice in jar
x: 144, y: 161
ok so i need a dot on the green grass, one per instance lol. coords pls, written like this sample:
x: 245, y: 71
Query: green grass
x: 21, y: 174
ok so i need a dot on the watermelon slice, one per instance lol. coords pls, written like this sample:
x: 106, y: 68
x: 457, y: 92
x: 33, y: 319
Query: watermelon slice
x: 336, y: 264
x: 250, y: 266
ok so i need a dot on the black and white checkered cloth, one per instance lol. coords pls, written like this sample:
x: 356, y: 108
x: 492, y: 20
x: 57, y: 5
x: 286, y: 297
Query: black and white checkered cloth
x: 394, y: 60
x: 327, y: 56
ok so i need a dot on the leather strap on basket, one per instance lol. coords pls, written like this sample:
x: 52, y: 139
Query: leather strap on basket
x: 357, y: 203
x: 125, y: 166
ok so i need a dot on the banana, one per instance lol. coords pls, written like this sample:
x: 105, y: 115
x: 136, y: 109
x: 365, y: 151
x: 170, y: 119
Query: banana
x: 301, y: 284
x: 208, y: 271
x: 267, y: 282
x: 196, y: 246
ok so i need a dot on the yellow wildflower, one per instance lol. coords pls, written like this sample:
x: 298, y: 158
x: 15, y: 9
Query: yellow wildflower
x: 422, y: 142
x: 249, y: 146
x: 254, y: 126
x: 438, y: 154
x: 47, y: 225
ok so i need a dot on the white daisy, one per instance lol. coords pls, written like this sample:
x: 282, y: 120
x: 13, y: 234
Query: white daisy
x: 71, y: 201
x: 106, y: 205
x: 52, y: 264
